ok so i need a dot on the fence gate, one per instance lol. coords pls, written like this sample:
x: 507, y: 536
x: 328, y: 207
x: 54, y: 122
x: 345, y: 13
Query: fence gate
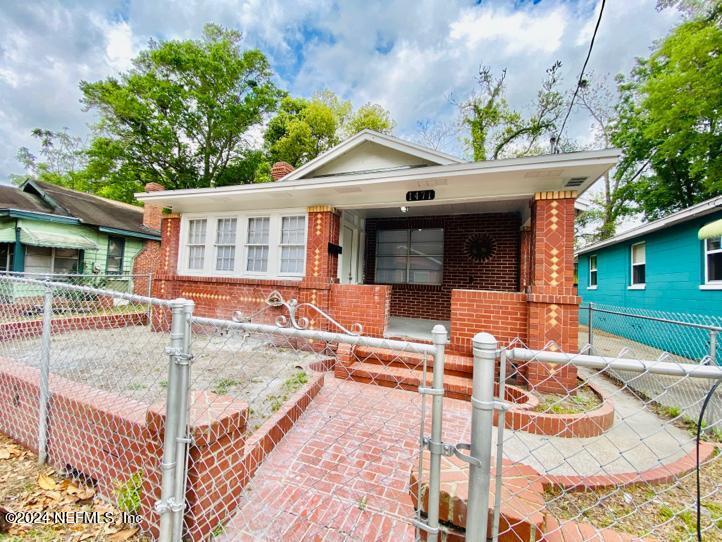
x: 285, y: 425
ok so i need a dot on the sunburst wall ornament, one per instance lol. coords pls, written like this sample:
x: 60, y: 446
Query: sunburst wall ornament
x: 479, y: 247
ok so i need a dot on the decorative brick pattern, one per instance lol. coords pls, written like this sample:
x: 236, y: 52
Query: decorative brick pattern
x: 553, y: 301
x: 323, y: 228
x: 503, y: 314
x: 500, y: 272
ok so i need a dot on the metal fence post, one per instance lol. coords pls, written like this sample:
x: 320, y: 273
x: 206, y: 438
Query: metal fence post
x: 590, y: 328
x: 439, y: 338
x: 45, y: 375
x: 482, y: 402
x: 167, y: 506
x: 184, y: 438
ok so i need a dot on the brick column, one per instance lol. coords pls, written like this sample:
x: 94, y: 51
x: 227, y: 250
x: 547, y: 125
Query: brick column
x: 553, y: 300
x: 324, y: 224
x: 217, y: 469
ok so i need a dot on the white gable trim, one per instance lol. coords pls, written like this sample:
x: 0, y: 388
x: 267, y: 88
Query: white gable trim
x: 384, y: 140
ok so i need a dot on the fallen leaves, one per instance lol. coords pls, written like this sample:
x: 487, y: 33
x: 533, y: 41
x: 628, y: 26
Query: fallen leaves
x: 46, y: 482
x: 125, y: 534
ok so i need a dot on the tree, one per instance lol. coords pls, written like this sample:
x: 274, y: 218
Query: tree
x: 610, y: 204
x: 670, y: 121
x: 496, y: 130
x: 302, y: 129
x: 180, y: 116
x: 61, y: 160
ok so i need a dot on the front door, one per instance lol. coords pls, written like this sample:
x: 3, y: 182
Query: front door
x: 349, y: 255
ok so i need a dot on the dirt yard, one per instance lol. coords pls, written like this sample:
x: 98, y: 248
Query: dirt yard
x: 27, y: 487
x: 132, y: 362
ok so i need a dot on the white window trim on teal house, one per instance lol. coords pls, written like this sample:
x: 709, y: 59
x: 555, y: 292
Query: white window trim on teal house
x: 209, y: 266
x: 595, y: 270
x: 709, y: 284
x: 637, y: 285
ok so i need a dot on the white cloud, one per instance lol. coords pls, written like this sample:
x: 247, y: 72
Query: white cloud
x: 430, y: 49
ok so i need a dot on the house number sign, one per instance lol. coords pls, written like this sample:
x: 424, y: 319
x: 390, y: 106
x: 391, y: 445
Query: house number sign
x: 420, y: 195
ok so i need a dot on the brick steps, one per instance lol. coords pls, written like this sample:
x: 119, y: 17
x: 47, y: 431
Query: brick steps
x: 454, y: 365
x: 456, y: 387
x: 572, y: 531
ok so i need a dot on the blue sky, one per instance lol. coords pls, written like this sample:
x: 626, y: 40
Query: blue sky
x: 411, y: 56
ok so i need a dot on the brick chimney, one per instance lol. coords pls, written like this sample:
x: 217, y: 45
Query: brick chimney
x: 280, y: 170
x: 152, y: 214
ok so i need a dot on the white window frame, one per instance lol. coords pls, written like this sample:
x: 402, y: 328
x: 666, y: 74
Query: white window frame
x: 591, y: 286
x: 241, y: 254
x: 637, y: 285
x: 709, y: 284
x: 216, y: 245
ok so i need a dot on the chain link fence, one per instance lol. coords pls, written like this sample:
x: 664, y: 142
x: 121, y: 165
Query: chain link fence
x: 644, y: 334
x: 582, y: 456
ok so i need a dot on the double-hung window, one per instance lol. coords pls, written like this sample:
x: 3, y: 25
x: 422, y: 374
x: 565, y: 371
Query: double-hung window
x: 196, y: 243
x: 713, y: 261
x: 593, y: 271
x: 257, y: 244
x: 639, y: 264
x: 226, y: 244
x: 414, y: 256
x: 114, y: 258
x: 293, y: 250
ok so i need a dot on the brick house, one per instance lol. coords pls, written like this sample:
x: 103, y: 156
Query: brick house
x: 393, y: 236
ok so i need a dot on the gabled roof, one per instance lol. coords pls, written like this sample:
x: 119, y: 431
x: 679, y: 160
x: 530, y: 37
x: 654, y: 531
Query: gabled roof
x: 48, y: 199
x: 371, y: 136
x: 695, y: 211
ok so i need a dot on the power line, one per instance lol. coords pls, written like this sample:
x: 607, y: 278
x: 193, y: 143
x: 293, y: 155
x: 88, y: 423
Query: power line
x: 581, y: 78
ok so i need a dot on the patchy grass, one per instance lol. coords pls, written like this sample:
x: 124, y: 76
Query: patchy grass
x: 128, y: 493
x: 674, y: 414
x: 584, y: 400
x: 663, y: 511
x: 26, y: 486
x: 289, y: 387
x: 224, y: 385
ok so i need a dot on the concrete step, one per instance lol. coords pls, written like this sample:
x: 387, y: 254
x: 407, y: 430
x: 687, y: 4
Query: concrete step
x: 392, y: 376
x: 454, y: 364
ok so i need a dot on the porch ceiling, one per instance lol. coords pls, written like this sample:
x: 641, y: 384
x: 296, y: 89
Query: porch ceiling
x: 467, y: 183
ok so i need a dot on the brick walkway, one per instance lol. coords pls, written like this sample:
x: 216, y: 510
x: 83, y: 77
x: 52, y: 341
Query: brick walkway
x: 343, y: 471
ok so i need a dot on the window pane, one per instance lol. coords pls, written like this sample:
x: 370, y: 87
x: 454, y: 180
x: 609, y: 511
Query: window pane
x: 293, y: 229
x: 390, y: 276
x: 197, y: 232
x: 392, y: 236
x: 257, y: 259
x: 258, y: 229
x: 435, y: 235
x: 638, y: 272
x: 638, y: 253
x: 225, y: 258
x: 593, y: 263
x: 226, y: 231
x: 114, y: 262
x: 714, y: 244
x: 292, y: 259
x: 387, y: 262
x: 423, y: 249
x: 434, y: 264
x: 399, y: 248
x: 714, y: 266
x: 593, y: 278
x: 195, y: 256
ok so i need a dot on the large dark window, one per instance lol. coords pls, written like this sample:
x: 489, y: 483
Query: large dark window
x: 114, y: 261
x: 713, y: 260
x: 410, y: 256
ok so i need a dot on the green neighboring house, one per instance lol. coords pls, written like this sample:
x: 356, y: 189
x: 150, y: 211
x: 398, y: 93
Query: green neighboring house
x: 49, y: 229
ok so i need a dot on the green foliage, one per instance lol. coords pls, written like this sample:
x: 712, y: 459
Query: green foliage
x: 128, y: 493
x: 302, y: 129
x: 669, y: 117
x: 223, y: 386
x: 498, y: 131
x: 179, y: 116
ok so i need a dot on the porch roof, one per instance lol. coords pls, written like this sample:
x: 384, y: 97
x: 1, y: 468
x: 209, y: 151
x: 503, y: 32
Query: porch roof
x: 455, y: 183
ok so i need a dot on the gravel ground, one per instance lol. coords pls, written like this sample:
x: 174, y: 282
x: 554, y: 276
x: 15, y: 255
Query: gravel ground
x: 132, y: 362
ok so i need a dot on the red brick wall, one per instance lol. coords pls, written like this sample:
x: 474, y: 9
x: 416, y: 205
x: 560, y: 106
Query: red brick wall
x: 365, y: 304
x: 146, y: 263
x: 503, y: 314
x: 500, y: 273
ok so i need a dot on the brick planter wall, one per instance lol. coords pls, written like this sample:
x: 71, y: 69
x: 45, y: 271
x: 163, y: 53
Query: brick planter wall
x: 500, y: 272
x: 109, y: 438
x: 365, y: 304
x: 503, y: 314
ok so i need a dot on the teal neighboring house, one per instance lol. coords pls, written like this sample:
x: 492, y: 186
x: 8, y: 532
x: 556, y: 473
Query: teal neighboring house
x: 661, y: 268
x: 49, y: 229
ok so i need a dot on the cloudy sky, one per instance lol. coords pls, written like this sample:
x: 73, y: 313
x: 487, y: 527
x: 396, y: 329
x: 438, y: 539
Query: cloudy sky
x: 408, y: 55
